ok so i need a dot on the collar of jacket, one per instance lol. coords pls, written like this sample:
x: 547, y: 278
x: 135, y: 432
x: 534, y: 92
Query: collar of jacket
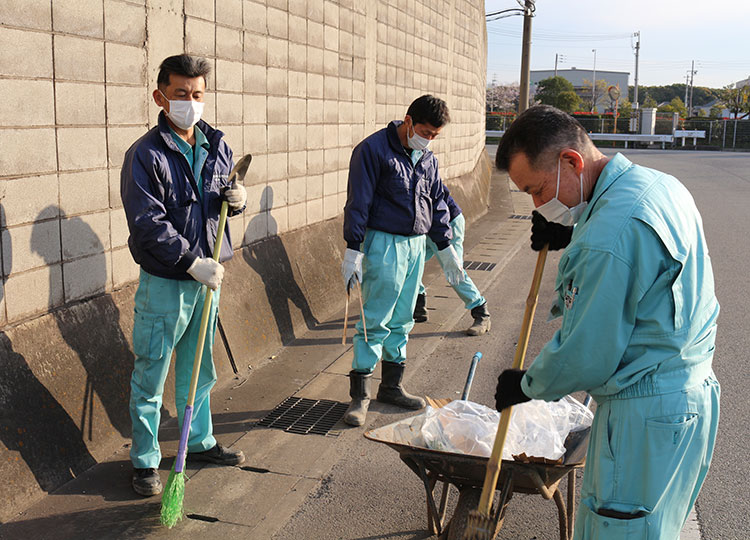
x: 613, y: 170
x: 213, y: 136
x: 395, y: 142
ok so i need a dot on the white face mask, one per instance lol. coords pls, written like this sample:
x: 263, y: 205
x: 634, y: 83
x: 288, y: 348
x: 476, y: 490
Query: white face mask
x: 554, y: 210
x: 416, y: 141
x: 184, y: 114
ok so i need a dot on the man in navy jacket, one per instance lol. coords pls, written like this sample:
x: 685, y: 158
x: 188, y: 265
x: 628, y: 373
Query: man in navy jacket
x: 395, y: 198
x: 173, y: 182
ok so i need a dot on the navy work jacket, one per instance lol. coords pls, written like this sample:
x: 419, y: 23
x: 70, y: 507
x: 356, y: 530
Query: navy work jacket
x: 170, y: 223
x: 388, y: 193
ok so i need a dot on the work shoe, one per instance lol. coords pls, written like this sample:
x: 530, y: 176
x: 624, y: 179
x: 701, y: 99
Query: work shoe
x: 146, y: 482
x: 391, y: 391
x: 359, y: 390
x: 420, y: 311
x: 481, y: 321
x: 218, y: 455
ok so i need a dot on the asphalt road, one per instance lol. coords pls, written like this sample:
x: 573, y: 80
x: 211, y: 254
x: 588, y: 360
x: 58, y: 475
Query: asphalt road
x: 370, y: 494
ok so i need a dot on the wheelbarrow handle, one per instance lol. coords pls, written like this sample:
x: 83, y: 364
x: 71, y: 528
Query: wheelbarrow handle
x: 467, y: 387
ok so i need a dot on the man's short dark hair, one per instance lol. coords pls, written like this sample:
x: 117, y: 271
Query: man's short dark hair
x: 538, y: 132
x: 428, y: 109
x: 185, y: 65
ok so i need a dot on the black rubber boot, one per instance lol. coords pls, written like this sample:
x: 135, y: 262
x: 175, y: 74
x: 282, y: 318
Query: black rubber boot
x: 391, y: 391
x: 359, y: 390
x: 481, y: 321
x: 420, y: 311
x: 146, y: 482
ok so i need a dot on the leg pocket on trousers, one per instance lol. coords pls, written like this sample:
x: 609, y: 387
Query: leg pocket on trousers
x: 148, y: 335
x: 592, y: 526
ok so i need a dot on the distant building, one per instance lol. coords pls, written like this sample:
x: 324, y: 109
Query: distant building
x: 581, y: 80
x: 744, y: 82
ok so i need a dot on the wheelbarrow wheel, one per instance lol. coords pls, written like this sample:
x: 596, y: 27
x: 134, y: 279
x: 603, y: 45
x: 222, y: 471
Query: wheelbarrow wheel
x: 468, y: 500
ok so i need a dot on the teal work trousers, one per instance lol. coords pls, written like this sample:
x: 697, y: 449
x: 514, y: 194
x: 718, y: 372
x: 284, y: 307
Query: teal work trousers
x: 167, y: 318
x: 648, y: 456
x: 391, y: 272
x: 466, y: 290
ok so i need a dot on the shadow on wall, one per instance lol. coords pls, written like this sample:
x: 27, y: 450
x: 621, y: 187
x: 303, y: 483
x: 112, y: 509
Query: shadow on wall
x: 32, y: 421
x: 270, y: 260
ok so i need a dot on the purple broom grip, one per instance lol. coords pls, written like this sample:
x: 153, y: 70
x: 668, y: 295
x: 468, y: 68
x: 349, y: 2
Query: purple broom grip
x: 182, y: 448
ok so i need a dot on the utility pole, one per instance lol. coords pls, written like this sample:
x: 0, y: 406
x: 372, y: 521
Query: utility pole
x: 637, y: 50
x: 692, y: 73
x: 523, y: 98
x: 555, y: 64
x: 687, y: 85
x: 593, y: 85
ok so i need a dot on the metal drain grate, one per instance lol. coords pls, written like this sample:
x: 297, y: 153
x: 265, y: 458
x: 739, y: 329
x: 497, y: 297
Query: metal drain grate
x: 518, y: 216
x: 303, y: 416
x: 479, y: 265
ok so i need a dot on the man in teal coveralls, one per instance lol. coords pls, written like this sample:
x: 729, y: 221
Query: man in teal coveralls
x: 635, y: 291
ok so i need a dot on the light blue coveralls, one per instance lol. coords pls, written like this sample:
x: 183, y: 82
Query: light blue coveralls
x: 466, y: 290
x: 167, y: 318
x: 636, y: 293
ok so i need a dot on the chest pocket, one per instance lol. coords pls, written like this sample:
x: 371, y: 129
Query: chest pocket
x: 396, y: 183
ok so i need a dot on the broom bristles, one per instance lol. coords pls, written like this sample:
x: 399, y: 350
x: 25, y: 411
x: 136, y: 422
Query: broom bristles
x: 171, y: 500
x: 479, y: 527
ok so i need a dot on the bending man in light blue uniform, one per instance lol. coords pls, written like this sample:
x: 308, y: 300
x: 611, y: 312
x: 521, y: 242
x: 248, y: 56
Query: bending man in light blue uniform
x: 636, y: 293
x: 465, y: 289
x: 395, y: 197
x: 171, y: 185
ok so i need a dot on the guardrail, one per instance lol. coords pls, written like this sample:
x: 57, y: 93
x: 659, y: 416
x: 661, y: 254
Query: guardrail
x: 631, y: 137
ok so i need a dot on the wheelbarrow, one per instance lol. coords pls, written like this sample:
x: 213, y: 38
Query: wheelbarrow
x: 438, y: 470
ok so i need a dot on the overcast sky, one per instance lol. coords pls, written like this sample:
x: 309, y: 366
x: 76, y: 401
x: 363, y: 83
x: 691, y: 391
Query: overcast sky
x: 673, y: 33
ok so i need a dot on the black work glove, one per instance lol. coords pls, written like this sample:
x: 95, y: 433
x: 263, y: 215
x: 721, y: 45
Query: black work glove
x: 548, y: 232
x: 508, y: 392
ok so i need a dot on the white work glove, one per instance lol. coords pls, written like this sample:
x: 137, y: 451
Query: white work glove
x: 236, y: 196
x: 452, y: 265
x: 351, y: 268
x: 207, y: 271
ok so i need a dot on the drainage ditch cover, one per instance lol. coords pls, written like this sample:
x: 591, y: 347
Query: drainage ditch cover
x: 303, y: 416
x: 479, y: 265
x: 518, y: 216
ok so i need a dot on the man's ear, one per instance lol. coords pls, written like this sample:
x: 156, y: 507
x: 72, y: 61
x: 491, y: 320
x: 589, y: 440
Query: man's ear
x: 159, y: 99
x: 573, y: 159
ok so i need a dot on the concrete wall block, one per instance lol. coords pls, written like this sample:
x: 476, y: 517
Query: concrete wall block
x: 331, y: 159
x: 345, y: 89
x: 297, y: 138
x: 315, y: 34
x: 85, y: 191
x: 298, y: 166
x: 169, y: 25
x: 229, y: 12
x: 314, y: 59
x: 345, y: 112
x: 330, y: 62
x: 209, y: 110
x: 315, y: 164
x: 254, y: 16
x: 16, y: 159
x: 331, y: 207
x: 297, y: 216
x: 119, y: 140
x: 118, y: 226
x: 82, y: 17
x: 25, y: 54
x: 200, y: 9
x: 254, y: 108
x: 26, y: 103
x: 277, y: 82
x: 127, y: 104
x: 81, y: 148
x: 256, y: 142
x: 254, y: 77
x: 341, y: 201
x: 79, y: 103
x: 35, y: 14
x: 87, y: 277
x: 331, y: 12
x: 85, y: 235
x: 297, y: 29
x: 31, y: 246
x: 297, y: 57
x: 33, y: 292
x: 331, y: 87
x: 124, y: 22
x: 330, y: 183
x: 115, y: 201
x: 229, y: 109
x: 278, y: 110
x: 298, y: 7
x: 199, y: 36
x: 278, y: 167
x: 331, y: 37
x: 278, y: 52
x: 257, y: 228
x: 345, y: 135
x: 277, y: 23
x: 331, y: 111
x: 315, y: 10
x: 234, y: 137
x: 278, y: 4
x: 314, y: 136
x: 126, y: 64
x: 236, y: 230
x: 229, y: 43
x: 298, y: 112
x: 276, y: 194
x: 314, y: 111
x: 343, y: 180
x: 314, y: 187
x: 314, y: 211
x: 229, y: 75
x: 257, y: 199
x: 315, y: 85
x: 278, y: 221
x: 78, y: 59
x: 124, y: 268
x: 297, y: 84
x: 28, y: 199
